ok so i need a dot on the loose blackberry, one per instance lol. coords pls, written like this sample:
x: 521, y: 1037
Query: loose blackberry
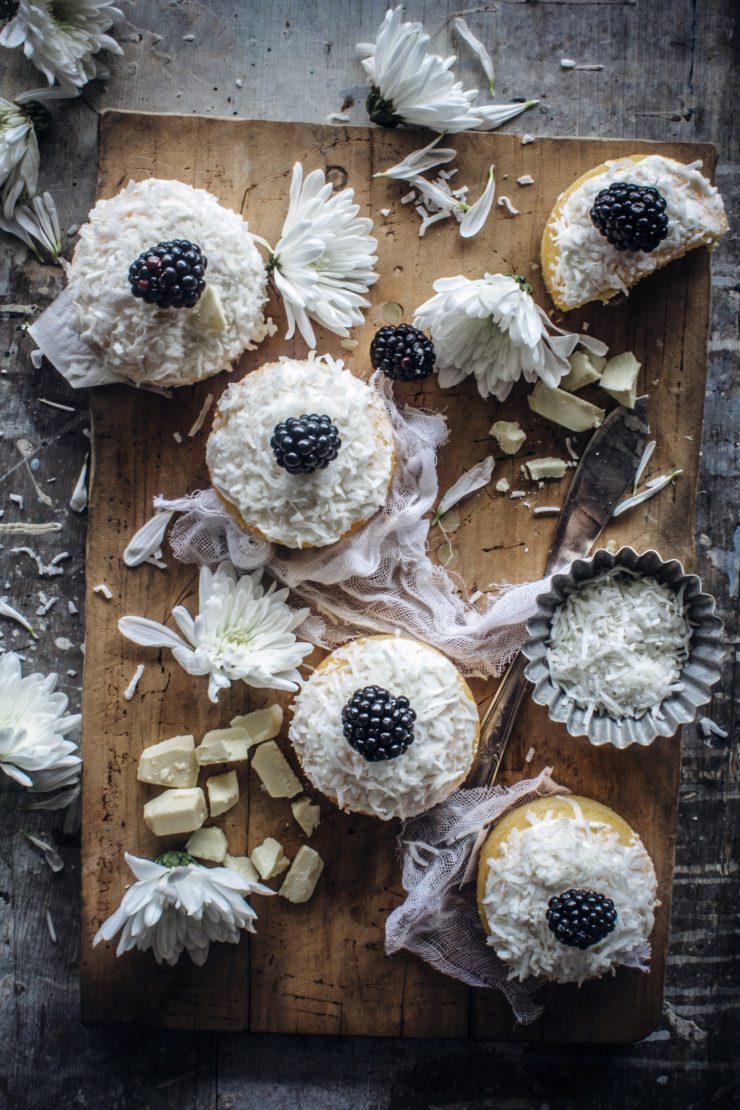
x: 580, y: 918
x: 170, y: 275
x: 378, y: 725
x: 631, y: 217
x: 305, y: 443
x: 402, y: 353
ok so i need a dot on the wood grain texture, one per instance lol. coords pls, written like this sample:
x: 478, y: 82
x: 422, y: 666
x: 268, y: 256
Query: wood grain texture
x: 294, y: 60
x: 321, y: 967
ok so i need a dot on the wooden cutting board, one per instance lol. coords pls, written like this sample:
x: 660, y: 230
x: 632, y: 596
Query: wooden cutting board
x: 320, y: 968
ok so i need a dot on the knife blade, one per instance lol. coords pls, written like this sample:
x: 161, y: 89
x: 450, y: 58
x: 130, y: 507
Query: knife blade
x: 604, y: 473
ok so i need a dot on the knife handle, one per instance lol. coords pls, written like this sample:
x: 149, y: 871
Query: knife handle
x: 497, y: 724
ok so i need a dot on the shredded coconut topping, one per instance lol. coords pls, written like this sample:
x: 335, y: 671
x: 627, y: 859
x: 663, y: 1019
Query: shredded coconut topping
x: 588, y: 266
x: 555, y: 854
x: 301, y: 510
x: 618, y: 644
x: 166, y: 346
x: 445, y: 729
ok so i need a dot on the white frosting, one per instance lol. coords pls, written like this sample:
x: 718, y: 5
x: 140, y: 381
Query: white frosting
x: 556, y: 854
x: 166, y: 346
x: 445, y: 729
x: 589, y: 267
x: 301, y: 510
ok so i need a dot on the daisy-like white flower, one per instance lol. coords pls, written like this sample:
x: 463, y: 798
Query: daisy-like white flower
x: 419, y: 161
x: 324, y: 260
x: 21, y: 121
x: 411, y: 85
x: 242, y: 632
x: 178, y: 905
x: 62, y: 37
x: 492, y: 327
x: 34, y: 725
x: 37, y: 225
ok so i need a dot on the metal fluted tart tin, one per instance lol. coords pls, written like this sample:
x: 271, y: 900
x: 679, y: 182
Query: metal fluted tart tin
x: 699, y: 674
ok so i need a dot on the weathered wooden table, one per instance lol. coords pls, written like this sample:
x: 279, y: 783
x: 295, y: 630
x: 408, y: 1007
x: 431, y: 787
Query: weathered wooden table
x: 667, y: 74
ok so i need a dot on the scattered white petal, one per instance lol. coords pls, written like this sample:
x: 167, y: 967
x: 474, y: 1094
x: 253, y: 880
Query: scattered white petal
x: 148, y: 539
x: 647, y: 454
x: 104, y: 590
x: 50, y: 925
x: 477, y: 48
x: 130, y: 690
x: 653, y: 487
x: 491, y: 116
x: 476, y: 216
x: 472, y: 480
x: 243, y: 632
x: 504, y: 202
x: 711, y: 728
x: 525, y: 179
x: 12, y: 614
x: 52, y: 857
x: 420, y: 161
x: 78, y: 500
x: 200, y: 418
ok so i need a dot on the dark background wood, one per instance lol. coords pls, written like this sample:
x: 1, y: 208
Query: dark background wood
x: 668, y: 69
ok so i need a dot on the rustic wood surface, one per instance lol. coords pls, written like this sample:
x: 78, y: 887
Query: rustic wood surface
x: 667, y: 75
x: 321, y: 968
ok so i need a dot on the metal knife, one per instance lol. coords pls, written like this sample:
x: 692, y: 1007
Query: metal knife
x: 605, y: 471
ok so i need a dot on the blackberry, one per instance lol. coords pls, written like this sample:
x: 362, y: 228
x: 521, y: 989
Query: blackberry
x: 378, y: 725
x: 170, y: 275
x: 631, y: 217
x: 402, y: 353
x: 580, y: 918
x: 305, y: 443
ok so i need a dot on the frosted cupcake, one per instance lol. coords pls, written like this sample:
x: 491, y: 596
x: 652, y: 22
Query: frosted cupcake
x: 566, y: 891
x: 301, y: 452
x: 622, y: 221
x: 167, y: 285
x: 385, y: 726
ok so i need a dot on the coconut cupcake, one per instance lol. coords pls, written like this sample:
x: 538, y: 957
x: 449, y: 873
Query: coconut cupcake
x: 167, y: 285
x: 566, y: 891
x: 385, y: 726
x: 301, y: 452
x: 622, y: 221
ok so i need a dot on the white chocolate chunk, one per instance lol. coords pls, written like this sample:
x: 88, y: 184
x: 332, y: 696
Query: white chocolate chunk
x: 584, y: 370
x: 223, y: 745
x: 223, y: 792
x: 275, y: 771
x: 564, y: 409
x: 545, y: 468
x: 508, y: 434
x: 176, y: 811
x: 306, y: 814
x: 209, y: 844
x: 209, y: 311
x: 169, y: 763
x: 300, y: 882
x: 503, y: 485
x: 269, y: 858
x: 619, y: 379
x: 263, y: 724
x: 243, y: 866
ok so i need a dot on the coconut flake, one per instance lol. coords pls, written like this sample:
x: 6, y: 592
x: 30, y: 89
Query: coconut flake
x: 711, y: 728
x: 78, y: 500
x: 130, y: 690
x: 525, y: 179
x: 504, y: 202
x: 104, y: 590
x: 200, y: 418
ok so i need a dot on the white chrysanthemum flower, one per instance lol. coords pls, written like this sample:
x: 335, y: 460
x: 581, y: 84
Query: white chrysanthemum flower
x: 61, y: 37
x: 242, y: 632
x: 492, y: 327
x: 176, y: 904
x: 324, y: 260
x: 411, y: 85
x: 21, y: 121
x: 37, y: 226
x: 34, y: 724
